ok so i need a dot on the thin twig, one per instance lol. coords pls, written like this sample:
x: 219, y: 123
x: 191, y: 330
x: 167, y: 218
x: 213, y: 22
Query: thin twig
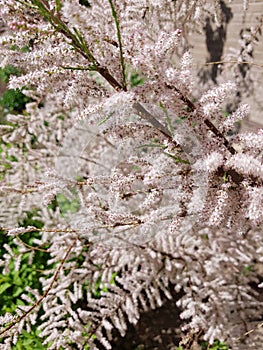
x: 207, y: 122
x: 234, y: 61
x: 116, y: 20
x: 218, y: 133
x: 31, y: 247
x: 260, y: 325
x: 33, y: 229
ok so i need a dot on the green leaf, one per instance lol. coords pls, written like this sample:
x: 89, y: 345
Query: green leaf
x: 217, y: 345
x: 7, y: 71
x: 168, y: 119
x: 17, y: 291
x: 113, y: 277
x: 136, y: 80
x: 176, y: 158
x: 12, y: 158
x: 153, y: 145
x: 67, y: 205
x: 4, y: 287
x: 14, y: 100
x: 105, y: 119
x: 58, y: 5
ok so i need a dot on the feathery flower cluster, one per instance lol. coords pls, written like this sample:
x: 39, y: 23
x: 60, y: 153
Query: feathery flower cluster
x: 154, y: 193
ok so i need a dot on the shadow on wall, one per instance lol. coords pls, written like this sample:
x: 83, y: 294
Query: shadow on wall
x: 215, y: 42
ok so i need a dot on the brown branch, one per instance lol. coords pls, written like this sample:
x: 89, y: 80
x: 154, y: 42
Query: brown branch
x: 104, y: 72
x: 184, y: 98
x: 30, y: 247
x: 121, y: 224
x: 211, y: 126
x: 233, y: 61
x: 207, y: 122
x: 61, y: 27
x: 260, y: 325
x: 65, y: 230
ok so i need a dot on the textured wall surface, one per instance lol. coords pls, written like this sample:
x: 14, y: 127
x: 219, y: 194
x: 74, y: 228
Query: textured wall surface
x: 236, y: 22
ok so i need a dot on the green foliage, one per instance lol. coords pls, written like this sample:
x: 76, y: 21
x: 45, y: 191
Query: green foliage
x: 7, y: 71
x: 106, y: 118
x: 176, y: 158
x: 30, y: 341
x: 98, y: 288
x: 217, y: 345
x: 13, y: 283
x: 168, y: 119
x: 14, y: 100
x: 247, y: 270
x: 31, y: 218
x: 5, y: 161
x: 68, y: 205
x: 136, y: 80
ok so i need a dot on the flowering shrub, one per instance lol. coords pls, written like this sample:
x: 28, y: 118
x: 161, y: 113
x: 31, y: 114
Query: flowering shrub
x: 154, y: 193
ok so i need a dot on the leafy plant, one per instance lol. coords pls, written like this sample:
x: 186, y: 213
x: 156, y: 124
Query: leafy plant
x: 13, y: 100
x: 30, y: 341
x: 14, y: 282
x: 217, y: 345
x: 7, y: 71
